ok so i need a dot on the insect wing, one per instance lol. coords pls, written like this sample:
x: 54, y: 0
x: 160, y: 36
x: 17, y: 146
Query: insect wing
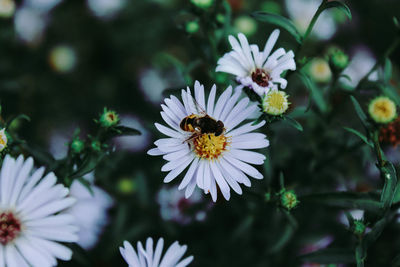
x: 196, y: 105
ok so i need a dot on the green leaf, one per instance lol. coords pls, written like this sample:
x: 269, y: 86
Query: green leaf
x: 123, y: 130
x: 88, y: 165
x: 287, y: 234
x: 315, y: 92
x: 375, y: 232
x: 42, y: 156
x: 345, y: 76
x: 279, y: 21
x: 388, y: 192
x: 294, y: 123
x: 340, y: 5
x: 360, y: 112
x: 390, y: 91
x: 362, y: 137
x: 17, y: 117
x: 86, y: 184
x: 396, y: 22
x: 347, y: 200
x: 330, y: 255
x: 387, y: 73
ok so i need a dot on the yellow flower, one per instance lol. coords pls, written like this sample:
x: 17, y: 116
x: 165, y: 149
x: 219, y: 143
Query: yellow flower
x: 382, y: 109
x: 275, y: 102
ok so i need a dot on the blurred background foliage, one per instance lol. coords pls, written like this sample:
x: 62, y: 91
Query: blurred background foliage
x: 61, y: 62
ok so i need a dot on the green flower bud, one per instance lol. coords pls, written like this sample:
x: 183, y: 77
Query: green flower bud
x: 245, y: 25
x: 289, y: 200
x: 202, y: 3
x: 109, y: 118
x: 220, y: 18
x: 359, y: 228
x: 96, y: 145
x: 338, y: 60
x: 126, y: 185
x: 192, y: 27
x: 77, y: 145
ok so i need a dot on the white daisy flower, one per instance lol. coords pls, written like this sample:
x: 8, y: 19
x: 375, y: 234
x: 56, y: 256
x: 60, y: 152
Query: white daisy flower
x: 31, y: 225
x: 147, y: 257
x: 90, y: 212
x: 258, y: 70
x: 215, y: 148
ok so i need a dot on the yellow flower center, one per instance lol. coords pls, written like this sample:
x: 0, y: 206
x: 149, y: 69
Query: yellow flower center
x: 208, y: 146
x: 382, y: 109
x: 3, y: 142
x: 275, y: 103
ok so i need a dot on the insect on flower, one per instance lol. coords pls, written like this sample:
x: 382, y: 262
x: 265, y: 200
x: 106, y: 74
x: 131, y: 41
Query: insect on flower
x: 201, y: 123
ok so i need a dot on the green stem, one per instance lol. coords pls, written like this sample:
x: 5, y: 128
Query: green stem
x: 314, y: 20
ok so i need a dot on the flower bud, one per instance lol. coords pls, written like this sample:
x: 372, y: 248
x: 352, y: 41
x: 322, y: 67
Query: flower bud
x: 126, y: 185
x: 359, y: 227
x: 382, y: 109
x: 192, y: 27
x: 202, y: 3
x: 7, y: 8
x: 319, y: 70
x: 96, y: 145
x: 109, y: 118
x: 289, y: 200
x: 245, y: 25
x: 338, y: 60
x: 275, y: 102
x: 77, y: 145
x: 62, y: 59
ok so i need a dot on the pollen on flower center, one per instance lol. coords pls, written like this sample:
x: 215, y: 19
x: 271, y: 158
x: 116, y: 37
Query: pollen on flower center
x: 10, y: 227
x: 209, y: 146
x: 261, y: 77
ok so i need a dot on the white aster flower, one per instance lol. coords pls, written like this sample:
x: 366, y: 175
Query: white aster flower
x: 147, y: 257
x: 90, y: 212
x: 258, y: 70
x: 215, y: 157
x: 31, y: 224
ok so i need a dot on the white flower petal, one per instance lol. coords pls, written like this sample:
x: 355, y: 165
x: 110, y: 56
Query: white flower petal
x: 248, y: 156
x: 246, y: 168
x: 221, y: 102
x: 175, y: 172
x: 220, y: 180
x: 167, y: 131
x: 210, y: 103
x: 190, y: 174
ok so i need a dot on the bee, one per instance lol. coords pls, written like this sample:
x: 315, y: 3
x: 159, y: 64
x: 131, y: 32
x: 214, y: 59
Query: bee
x: 201, y: 123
